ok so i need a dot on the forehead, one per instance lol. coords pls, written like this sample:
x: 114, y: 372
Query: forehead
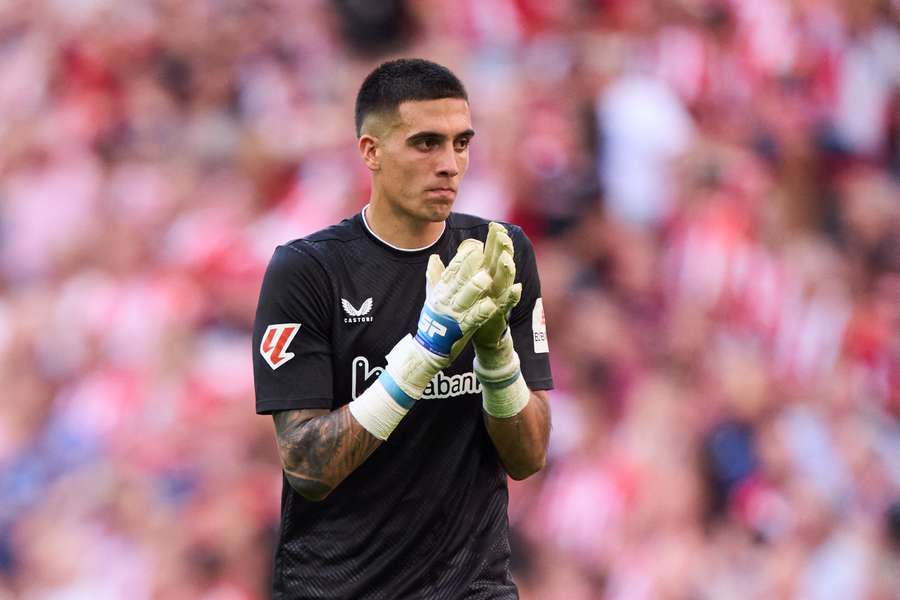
x: 449, y: 116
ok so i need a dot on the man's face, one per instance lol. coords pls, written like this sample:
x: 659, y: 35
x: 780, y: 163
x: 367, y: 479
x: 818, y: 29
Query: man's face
x: 423, y: 155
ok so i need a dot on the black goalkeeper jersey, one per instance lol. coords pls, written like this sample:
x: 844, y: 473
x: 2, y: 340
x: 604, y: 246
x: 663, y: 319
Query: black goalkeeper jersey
x: 425, y: 516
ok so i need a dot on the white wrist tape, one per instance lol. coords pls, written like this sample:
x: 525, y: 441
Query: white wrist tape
x: 411, y: 367
x: 409, y: 370
x: 377, y: 411
x: 504, y: 392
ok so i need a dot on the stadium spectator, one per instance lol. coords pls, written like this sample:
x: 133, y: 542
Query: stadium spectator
x: 725, y: 332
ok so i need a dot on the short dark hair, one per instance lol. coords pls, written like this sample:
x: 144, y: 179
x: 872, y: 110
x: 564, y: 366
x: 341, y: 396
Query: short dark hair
x: 401, y: 80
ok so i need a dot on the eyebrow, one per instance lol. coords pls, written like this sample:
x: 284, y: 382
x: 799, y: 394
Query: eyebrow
x: 434, y: 134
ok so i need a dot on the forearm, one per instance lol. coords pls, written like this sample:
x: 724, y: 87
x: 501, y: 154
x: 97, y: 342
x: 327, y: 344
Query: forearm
x: 521, y: 440
x: 318, y: 453
x: 319, y: 449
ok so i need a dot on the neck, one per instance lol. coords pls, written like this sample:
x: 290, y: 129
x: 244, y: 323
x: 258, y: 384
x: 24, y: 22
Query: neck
x: 400, y: 229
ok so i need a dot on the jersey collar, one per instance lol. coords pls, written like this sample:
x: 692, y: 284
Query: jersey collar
x: 407, y: 251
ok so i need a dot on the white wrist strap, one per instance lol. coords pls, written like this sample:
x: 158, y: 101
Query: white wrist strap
x: 381, y: 407
x: 411, y: 367
x: 504, y: 392
x: 377, y: 411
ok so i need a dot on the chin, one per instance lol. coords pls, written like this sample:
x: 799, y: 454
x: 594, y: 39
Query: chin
x: 438, y: 211
x: 439, y: 214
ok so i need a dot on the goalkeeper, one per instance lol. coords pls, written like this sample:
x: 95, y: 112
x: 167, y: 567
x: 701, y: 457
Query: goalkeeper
x: 403, y: 355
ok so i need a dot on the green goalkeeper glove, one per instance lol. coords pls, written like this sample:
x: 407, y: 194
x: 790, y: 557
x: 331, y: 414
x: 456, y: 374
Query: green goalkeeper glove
x: 456, y: 305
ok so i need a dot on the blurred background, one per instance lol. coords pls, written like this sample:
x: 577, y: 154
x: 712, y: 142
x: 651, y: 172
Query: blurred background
x: 713, y: 191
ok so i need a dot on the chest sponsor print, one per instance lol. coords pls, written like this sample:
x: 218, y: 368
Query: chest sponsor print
x: 441, y: 386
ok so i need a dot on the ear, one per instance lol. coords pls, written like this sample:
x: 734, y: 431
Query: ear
x: 369, y: 150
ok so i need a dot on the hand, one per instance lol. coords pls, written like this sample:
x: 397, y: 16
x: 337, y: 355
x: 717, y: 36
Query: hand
x: 493, y: 344
x: 456, y: 305
x: 457, y: 300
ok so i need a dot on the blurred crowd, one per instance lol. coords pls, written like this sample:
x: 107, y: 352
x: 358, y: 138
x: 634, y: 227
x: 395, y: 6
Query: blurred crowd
x: 713, y: 191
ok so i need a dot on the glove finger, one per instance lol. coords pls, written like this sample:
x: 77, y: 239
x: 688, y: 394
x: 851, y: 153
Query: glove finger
x: 492, y: 245
x: 472, y: 263
x: 506, y: 243
x: 515, y: 294
x: 504, y: 275
x: 471, y: 291
x: 471, y: 244
x: 433, y: 271
x: 500, y: 243
x: 463, y: 254
x: 479, y: 314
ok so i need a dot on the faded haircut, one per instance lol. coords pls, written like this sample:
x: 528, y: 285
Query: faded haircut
x: 402, y: 80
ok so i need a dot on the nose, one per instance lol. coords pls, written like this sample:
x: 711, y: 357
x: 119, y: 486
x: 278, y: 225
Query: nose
x: 447, y: 165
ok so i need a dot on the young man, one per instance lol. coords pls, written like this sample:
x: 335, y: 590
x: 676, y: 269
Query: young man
x: 395, y: 449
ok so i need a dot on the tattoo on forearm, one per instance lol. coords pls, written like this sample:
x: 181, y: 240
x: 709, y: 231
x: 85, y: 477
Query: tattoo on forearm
x: 318, y: 453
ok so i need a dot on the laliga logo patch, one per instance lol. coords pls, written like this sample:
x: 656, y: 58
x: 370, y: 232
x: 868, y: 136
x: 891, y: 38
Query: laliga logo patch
x: 430, y: 327
x: 275, y: 341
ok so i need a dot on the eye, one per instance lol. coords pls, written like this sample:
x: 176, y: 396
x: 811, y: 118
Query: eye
x: 461, y: 144
x: 426, y: 144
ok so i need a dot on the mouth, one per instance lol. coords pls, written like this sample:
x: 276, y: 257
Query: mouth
x: 444, y: 191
